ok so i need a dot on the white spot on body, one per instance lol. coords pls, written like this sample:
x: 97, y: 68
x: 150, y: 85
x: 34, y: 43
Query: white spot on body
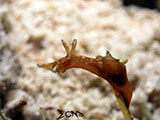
x: 54, y: 69
x: 100, y: 62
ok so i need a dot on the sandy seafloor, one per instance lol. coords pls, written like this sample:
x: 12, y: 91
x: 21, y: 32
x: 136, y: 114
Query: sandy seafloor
x: 30, y: 33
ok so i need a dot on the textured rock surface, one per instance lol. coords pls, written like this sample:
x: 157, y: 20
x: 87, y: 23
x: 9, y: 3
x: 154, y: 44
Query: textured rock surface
x: 30, y: 33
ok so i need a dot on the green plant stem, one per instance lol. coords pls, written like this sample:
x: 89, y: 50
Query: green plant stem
x: 122, y: 105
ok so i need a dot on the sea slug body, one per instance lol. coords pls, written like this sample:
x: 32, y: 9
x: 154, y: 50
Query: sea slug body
x: 111, y: 69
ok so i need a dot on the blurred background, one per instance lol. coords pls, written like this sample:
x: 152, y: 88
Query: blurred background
x: 30, y: 33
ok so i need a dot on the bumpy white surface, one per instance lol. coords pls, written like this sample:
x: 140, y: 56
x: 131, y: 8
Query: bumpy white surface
x: 133, y: 33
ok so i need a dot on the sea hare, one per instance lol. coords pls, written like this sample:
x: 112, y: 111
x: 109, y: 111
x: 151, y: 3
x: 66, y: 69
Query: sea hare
x: 111, y: 69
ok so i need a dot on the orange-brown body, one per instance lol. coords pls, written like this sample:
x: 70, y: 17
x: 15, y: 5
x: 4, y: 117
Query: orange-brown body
x: 107, y: 67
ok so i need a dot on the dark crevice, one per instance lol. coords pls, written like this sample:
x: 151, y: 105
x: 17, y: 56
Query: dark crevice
x: 141, y: 3
x: 154, y: 98
x: 6, y: 25
x: 18, y: 116
x: 36, y: 42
